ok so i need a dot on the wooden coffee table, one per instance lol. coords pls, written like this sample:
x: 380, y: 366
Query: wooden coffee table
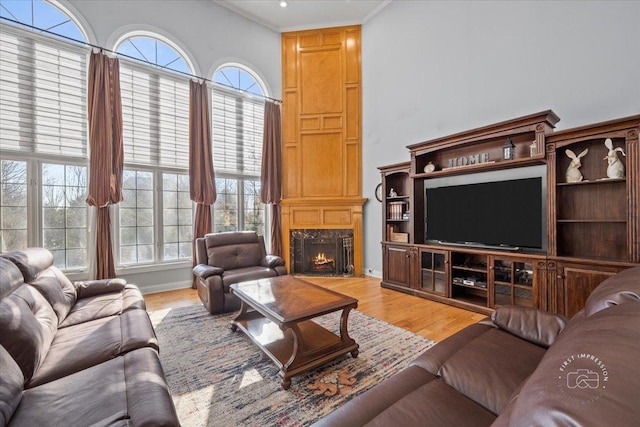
x: 276, y: 314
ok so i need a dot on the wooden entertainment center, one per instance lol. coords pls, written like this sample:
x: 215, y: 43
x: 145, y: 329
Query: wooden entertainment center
x: 592, y: 226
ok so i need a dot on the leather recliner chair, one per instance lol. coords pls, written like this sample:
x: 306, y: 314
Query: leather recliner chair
x: 228, y: 258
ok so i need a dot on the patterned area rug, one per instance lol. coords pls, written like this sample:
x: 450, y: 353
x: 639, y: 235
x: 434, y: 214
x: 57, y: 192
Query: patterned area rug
x: 220, y: 378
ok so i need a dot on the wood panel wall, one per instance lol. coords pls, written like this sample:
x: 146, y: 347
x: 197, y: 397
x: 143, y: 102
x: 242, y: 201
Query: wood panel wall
x: 321, y: 133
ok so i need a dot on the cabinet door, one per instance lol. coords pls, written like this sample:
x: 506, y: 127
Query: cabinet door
x: 512, y: 282
x: 433, y: 268
x: 576, y: 284
x: 398, y: 265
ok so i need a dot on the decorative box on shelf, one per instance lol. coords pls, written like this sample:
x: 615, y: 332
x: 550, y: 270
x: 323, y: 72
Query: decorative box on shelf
x: 399, y: 237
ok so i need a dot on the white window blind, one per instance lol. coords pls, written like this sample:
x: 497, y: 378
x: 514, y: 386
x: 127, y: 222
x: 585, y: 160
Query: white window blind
x: 237, y: 124
x: 42, y: 94
x: 155, y: 115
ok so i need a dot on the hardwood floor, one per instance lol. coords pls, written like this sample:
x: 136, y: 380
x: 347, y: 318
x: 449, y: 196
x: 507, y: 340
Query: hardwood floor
x: 427, y: 318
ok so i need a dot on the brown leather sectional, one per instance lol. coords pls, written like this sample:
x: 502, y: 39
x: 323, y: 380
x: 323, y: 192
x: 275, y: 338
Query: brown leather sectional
x: 522, y: 367
x: 76, y: 354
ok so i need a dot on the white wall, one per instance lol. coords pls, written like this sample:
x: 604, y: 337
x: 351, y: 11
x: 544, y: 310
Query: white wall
x: 210, y: 35
x: 432, y: 68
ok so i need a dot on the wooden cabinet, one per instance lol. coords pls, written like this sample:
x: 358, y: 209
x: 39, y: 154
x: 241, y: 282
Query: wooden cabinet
x: 592, y: 226
x: 574, y: 284
x: 398, y: 266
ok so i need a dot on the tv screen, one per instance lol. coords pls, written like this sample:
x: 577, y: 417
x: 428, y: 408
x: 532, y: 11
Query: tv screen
x: 501, y: 213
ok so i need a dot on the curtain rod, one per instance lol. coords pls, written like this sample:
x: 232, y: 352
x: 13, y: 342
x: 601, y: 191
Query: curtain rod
x: 104, y: 49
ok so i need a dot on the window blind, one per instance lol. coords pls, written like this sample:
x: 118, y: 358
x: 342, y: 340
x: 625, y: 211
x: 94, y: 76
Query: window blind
x: 237, y: 124
x: 155, y: 116
x: 42, y: 94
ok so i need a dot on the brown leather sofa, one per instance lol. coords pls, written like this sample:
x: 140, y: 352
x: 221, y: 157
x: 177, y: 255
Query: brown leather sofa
x: 523, y: 367
x: 227, y: 258
x: 76, y: 354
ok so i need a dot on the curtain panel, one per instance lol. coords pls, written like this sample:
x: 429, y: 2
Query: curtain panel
x: 106, y: 157
x: 271, y: 171
x: 201, y: 174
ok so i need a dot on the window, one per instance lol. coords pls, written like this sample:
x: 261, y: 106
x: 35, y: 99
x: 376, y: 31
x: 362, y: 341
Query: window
x: 237, y: 123
x: 177, y: 216
x: 13, y: 205
x: 155, y: 114
x: 64, y: 214
x: 43, y: 133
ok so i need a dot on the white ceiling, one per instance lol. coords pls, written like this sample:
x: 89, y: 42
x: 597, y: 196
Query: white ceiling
x: 305, y: 14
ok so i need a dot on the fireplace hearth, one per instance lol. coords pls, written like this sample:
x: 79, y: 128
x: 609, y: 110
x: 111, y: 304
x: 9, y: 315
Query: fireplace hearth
x: 322, y: 252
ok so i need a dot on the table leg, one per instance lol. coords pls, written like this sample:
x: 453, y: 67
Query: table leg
x: 344, y: 333
x: 243, y: 309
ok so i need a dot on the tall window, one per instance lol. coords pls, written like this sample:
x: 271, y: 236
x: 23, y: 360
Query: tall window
x: 155, y: 114
x: 43, y: 133
x: 238, y: 119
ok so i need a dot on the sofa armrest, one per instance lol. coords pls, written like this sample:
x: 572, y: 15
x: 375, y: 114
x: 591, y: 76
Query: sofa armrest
x: 538, y: 327
x: 203, y: 271
x: 272, y: 261
x: 89, y: 288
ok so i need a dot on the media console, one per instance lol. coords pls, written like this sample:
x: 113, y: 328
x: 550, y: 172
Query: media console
x: 589, y: 230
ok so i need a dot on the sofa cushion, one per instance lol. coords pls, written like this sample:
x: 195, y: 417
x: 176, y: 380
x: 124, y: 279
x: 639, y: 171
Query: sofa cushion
x: 28, y: 325
x: 11, y: 386
x: 233, y: 250
x: 433, y: 359
x: 10, y: 277
x: 245, y: 274
x: 491, y: 367
x: 128, y: 390
x: 104, y: 305
x: 618, y: 289
x: 589, y: 376
x: 87, y: 344
x: 539, y: 327
x: 412, y: 397
x: 57, y: 290
x: 30, y: 261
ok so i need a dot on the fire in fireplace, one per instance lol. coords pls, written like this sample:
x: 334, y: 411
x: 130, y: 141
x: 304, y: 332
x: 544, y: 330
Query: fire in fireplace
x: 322, y: 252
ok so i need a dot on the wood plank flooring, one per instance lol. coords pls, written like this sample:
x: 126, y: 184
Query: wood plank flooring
x: 426, y: 318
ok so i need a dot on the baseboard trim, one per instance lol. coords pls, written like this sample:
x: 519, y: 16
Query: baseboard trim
x: 164, y: 287
x: 373, y: 273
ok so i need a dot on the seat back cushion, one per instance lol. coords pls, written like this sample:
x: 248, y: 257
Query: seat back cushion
x: 30, y: 261
x: 28, y: 323
x: 57, y: 289
x: 622, y: 288
x: 588, y: 376
x: 11, y: 386
x: 233, y: 250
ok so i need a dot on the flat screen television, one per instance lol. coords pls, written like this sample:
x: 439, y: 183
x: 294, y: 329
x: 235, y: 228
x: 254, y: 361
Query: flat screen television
x: 506, y: 213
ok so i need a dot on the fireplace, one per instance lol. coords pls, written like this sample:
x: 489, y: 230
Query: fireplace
x: 322, y: 252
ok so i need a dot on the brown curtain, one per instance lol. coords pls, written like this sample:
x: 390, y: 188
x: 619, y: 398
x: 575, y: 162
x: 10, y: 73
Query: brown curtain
x: 106, y: 152
x: 271, y: 171
x: 201, y: 175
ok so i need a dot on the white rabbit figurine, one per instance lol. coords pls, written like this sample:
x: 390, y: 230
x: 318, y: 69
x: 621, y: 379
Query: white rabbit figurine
x: 573, y: 174
x: 616, y: 167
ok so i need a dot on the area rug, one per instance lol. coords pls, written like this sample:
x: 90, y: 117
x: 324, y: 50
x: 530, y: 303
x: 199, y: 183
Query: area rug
x: 220, y: 378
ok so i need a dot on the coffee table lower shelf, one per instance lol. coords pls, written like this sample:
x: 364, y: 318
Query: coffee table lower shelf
x: 295, y: 348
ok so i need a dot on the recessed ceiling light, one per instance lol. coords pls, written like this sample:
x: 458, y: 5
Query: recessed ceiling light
x: 284, y: 3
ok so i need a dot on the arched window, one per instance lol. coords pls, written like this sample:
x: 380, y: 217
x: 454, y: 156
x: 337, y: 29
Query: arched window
x: 44, y: 15
x: 238, y: 119
x: 155, y: 116
x: 43, y: 134
x: 154, y: 51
